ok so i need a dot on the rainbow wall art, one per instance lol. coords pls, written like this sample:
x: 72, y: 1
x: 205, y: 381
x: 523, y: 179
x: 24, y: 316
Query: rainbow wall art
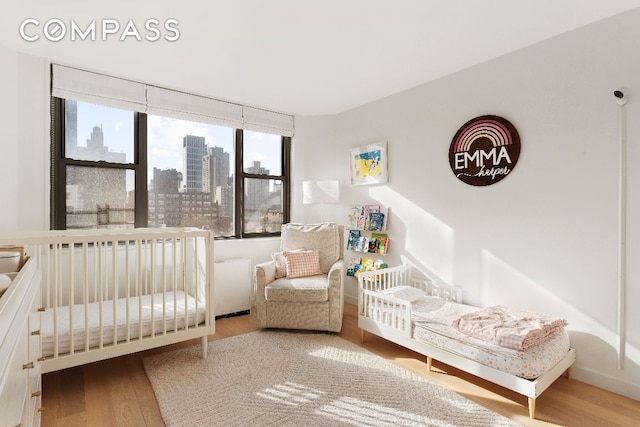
x: 484, y: 150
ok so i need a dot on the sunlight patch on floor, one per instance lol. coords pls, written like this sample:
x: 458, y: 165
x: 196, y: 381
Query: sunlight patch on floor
x: 358, y: 412
x: 291, y: 394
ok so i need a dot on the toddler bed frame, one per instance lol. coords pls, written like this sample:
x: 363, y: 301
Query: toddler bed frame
x: 106, y: 293
x: 398, y: 329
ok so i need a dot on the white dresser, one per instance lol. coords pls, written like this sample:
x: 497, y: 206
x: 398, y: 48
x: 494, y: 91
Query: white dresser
x: 20, y: 378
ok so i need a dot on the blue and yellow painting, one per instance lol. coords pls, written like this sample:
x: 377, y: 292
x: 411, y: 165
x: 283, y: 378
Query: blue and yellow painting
x: 368, y: 164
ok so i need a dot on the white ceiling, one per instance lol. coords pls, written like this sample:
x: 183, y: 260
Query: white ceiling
x: 306, y: 57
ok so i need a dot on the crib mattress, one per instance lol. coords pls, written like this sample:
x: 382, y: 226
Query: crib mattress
x: 180, y: 310
x: 431, y: 324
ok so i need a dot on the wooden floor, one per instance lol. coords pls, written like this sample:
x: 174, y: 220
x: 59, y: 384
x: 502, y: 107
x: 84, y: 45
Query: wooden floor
x: 116, y: 392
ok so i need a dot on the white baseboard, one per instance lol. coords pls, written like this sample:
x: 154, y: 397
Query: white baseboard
x: 606, y: 382
x: 350, y: 299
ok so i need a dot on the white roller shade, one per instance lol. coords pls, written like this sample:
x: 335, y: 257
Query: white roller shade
x: 71, y: 83
x: 180, y: 105
x: 267, y: 121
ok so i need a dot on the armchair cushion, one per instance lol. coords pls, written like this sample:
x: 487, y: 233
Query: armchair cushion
x: 325, y: 238
x: 302, y: 263
x: 311, y: 288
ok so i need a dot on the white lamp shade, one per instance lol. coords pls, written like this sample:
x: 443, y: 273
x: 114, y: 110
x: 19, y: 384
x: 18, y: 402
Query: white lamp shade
x: 315, y: 192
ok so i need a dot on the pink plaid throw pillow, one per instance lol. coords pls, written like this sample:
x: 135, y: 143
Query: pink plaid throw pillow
x: 302, y: 263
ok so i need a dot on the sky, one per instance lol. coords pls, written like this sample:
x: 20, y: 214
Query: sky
x: 165, y: 135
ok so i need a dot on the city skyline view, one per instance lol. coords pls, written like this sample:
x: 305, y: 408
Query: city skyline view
x: 165, y: 136
x: 191, y: 178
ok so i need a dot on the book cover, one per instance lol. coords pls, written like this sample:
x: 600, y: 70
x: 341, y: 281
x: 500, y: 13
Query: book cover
x: 362, y: 244
x: 367, y: 210
x: 372, y: 245
x: 368, y: 262
x: 352, y: 240
x: 376, y: 221
x: 353, y: 261
x: 379, y: 264
x: 381, y: 243
x: 352, y: 217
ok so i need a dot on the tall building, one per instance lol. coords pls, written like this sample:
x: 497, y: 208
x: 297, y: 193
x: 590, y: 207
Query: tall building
x: 216, y: 179
x: 193, y: 150
x: 256, y: 190
x: 95, y: 150
x: 166, y: 181
x: 220, y: 167
x: 224, y: 199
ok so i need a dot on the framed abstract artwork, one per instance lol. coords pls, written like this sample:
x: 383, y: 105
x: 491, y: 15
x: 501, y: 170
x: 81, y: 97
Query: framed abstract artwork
x: 369, y: 164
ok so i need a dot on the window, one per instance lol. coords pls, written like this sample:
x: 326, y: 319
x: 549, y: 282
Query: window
x: 265, y: 185
x: 95, y: 167
x: 120, y: 167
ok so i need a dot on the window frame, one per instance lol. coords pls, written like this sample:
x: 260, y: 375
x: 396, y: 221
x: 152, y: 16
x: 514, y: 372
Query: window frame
x: 59, y: 164
x: 285, y: 161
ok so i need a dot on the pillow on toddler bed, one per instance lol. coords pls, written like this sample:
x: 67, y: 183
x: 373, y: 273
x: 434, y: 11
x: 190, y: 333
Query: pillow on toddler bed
x: 405, y: 292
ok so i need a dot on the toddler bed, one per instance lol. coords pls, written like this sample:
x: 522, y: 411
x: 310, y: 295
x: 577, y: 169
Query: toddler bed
x: 107, y: 293
x: 420, y: 314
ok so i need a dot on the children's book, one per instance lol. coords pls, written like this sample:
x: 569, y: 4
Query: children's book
x: 381, y: 242
x: 362, y: 244
x: 353, y: 261
x: 367, y: 210
x: 376, y: 221
x: 372, y: 246
x: 357, y: 269
x: 352, y: 217
x: 352, y: 241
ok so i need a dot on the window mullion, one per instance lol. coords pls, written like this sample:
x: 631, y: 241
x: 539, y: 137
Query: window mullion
x: 239, y: 187
x: 286, y: 181
x: 140, y: 159
x: 59, y: 171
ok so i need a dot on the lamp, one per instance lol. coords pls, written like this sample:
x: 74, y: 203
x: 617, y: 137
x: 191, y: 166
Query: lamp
x: 320, y: 192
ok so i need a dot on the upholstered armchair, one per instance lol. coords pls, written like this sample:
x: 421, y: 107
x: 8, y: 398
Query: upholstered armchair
x: 302, y: 286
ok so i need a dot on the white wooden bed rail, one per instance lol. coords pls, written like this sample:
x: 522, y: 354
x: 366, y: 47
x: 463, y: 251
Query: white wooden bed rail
x: 386, y: 324
x: 106, y: 293
x: 370, y: 300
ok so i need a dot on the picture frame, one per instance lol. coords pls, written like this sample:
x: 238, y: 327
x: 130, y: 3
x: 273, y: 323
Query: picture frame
x: 368, y: 164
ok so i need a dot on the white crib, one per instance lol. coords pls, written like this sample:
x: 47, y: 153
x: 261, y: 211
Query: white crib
x: 106, y: 293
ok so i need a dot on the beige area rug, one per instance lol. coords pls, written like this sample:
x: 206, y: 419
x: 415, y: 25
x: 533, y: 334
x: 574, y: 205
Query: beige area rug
x: 278, y: 378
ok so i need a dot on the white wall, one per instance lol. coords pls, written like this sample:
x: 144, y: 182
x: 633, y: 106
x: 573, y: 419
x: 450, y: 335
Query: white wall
x: 544, y: 238
x: 9, y: 200
x: 24, y: 151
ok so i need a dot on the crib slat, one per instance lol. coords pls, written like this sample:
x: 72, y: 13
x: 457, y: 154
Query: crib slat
x: 185, y: 258
x: 56, y: 292
x: 196, y: 281
x: 153, y: 281
x: 71, y: 296
x: 114, y: 278
x: 127, y: 272
x: 101, y: 295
